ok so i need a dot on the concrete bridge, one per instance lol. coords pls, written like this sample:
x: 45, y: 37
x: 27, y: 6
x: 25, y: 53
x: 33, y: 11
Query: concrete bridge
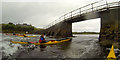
x: 108, y: 12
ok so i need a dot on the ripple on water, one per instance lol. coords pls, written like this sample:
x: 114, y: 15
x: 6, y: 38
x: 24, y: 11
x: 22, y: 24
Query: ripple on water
x: 80, y: 47
x: 9, y: 50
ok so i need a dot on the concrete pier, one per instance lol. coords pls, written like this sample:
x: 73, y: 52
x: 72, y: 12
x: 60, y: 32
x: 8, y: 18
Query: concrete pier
x: 62, y: 29
x: 110, y: 24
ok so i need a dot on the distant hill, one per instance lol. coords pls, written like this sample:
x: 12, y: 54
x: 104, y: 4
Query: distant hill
x: 0, y: 28
x: 18, y: 28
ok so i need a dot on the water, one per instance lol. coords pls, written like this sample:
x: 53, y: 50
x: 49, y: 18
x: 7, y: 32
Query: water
x: 81, y: 46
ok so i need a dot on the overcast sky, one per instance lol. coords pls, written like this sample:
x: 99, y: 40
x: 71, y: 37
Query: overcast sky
x: 40, y: 13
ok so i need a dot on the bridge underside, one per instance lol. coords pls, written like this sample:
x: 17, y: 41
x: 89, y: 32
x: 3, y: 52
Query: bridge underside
x: 109, y: 31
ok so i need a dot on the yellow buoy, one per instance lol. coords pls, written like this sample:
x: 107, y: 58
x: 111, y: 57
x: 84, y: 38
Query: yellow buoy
x: 111, y: 55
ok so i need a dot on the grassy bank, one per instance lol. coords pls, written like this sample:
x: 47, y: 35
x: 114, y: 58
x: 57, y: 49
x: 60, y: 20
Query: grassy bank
x: 19, y: 28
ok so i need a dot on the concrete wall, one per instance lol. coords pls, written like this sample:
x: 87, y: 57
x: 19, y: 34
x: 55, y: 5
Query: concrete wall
x: 110, y: 25
x: 62, y: 29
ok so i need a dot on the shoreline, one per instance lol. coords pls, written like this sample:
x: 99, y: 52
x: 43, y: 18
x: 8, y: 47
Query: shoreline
x: 85, y: 33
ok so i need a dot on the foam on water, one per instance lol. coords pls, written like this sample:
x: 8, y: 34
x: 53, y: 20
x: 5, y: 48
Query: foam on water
x: 82, y: 46
x: 6, y: 48
x: 0, y: 46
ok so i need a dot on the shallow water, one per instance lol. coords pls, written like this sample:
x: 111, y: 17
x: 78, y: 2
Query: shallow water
x: 81, y: 46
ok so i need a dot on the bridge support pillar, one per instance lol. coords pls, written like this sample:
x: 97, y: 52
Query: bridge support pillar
x: 62, y: 29
x: 110, y: 26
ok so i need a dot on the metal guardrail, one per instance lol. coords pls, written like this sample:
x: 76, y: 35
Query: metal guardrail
x: 96, y: 6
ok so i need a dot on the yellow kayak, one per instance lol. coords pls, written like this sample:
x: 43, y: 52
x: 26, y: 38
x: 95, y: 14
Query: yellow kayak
x: 47, y: 43
x: 26, y: 36
x: 111, y: 55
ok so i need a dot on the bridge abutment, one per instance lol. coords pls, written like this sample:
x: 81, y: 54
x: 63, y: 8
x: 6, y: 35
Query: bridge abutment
x: 62, y: 29
x: 110, y: 26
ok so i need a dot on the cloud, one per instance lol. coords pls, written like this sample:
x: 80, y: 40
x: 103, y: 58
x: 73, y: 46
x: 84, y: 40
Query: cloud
x: 35, y: 13
x: 0, y: 13
x: 43, y: 12
x: 88, y: 25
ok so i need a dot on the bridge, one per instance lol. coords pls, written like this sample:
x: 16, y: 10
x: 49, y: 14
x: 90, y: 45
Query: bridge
x: 108, y: 12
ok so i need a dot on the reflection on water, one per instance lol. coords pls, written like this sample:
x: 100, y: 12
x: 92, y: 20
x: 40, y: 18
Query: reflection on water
x: 81, y: 46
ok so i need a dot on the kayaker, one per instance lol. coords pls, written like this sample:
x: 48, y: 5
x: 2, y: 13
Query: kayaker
x: 14, y: 33
x: 42, y: 39
x: 24, y: 35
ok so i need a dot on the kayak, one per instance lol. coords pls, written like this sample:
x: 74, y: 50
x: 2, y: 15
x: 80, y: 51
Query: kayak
x: 19, y: 35
x: 111, y: 55
x: 51, y: 42
x: 25, y: 36
x: 12, y: 34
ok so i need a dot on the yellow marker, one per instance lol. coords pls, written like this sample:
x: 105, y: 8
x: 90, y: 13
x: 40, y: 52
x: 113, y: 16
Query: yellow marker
x: 111, y: 55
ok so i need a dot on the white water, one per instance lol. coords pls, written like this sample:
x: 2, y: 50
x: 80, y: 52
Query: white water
x: 82, y: 46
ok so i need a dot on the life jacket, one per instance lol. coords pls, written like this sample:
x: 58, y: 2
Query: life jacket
x: 40, y: 41
x: 41, y: 38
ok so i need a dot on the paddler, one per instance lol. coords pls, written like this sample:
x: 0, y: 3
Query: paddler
x: 42, y: 39
x: 14, y: 33
x: 24, y: 35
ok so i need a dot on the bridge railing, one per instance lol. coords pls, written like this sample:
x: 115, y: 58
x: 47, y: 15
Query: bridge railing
x: 96, y: 6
